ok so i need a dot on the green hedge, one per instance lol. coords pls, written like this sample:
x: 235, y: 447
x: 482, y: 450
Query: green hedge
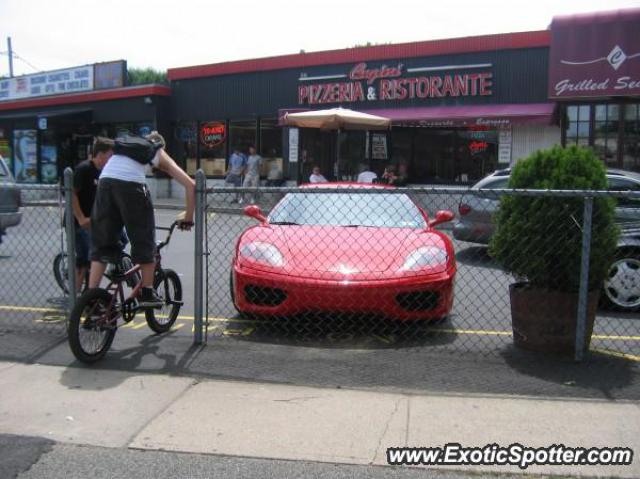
x: 540, y: 239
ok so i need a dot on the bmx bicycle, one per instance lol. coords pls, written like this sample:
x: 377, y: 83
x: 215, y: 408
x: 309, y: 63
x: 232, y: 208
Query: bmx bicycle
x: 94, y: 319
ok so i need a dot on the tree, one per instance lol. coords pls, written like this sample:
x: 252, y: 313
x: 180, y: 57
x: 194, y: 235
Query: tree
x: 142, y: 76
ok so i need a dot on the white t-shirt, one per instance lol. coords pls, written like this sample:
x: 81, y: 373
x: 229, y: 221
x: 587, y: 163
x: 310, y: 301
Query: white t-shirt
x: 120, y: 167
x: 317, y: 179
x: 253, y: 165
x: 367, y: 177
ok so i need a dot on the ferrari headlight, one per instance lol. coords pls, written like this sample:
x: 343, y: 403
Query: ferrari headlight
x: 262, y: 253
x: 425, y: 256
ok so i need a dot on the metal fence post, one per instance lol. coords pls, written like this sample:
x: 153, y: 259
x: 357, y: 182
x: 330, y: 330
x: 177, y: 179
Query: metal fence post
x: 581, y: 325
x: 201, y: 191
x: 71, y: 235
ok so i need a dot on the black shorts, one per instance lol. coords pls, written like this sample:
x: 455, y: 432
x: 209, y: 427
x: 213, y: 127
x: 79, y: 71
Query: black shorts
x: 122, y: 203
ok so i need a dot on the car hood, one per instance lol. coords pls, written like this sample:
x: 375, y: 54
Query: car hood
x: 357, y: 253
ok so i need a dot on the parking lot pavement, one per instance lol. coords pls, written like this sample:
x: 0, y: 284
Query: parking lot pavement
x: 471, y: 351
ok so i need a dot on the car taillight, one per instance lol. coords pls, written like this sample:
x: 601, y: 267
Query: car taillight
x: 464, y: 209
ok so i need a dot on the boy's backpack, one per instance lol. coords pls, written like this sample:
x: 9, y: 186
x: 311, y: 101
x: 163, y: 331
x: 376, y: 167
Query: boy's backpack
x: 137, y: 148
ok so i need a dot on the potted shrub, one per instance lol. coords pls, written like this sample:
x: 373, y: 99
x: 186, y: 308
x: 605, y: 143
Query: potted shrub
x: 539, y: 240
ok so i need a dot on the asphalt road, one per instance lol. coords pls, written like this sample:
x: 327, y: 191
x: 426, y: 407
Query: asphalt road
x: 36, y: 458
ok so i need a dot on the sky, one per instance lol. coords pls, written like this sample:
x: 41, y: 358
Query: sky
x: 53, y: 34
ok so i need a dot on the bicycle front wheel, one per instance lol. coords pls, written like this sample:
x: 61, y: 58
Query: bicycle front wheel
x: 169, y: 287
x: 90, y: 331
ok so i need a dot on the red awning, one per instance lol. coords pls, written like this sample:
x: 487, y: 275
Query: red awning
x: 476, y: 115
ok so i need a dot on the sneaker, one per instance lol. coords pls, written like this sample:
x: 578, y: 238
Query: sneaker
x: 150, y: 299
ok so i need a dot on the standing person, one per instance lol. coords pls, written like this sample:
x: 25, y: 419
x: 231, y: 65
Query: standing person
x: 316, y: 176
x: 252, y: 174
x: 85, y: 185
x: 124, y: 199
x: 235, y: 171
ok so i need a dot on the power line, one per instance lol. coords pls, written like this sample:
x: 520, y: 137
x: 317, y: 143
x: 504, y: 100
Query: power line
x: 15, y: 55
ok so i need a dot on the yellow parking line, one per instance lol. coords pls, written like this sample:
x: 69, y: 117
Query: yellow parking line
x: 29, y: 309
x: 616, y: 354
x: 616, y: 338
x: 474, y: 331
x: 139, y: 326
x: 175, y: 327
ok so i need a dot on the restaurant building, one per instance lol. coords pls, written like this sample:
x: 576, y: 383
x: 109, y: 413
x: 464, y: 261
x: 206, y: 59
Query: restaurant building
x: 460, y: 108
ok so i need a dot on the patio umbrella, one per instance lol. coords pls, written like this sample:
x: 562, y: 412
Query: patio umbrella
x: 337, y: 119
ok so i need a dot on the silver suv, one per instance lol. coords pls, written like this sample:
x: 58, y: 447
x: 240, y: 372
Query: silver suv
x: 10, y: 200
x: 622, y: 286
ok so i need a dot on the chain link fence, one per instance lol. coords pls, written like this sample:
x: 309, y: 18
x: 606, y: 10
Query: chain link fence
x: 33, y: 260
x: 378, y: 268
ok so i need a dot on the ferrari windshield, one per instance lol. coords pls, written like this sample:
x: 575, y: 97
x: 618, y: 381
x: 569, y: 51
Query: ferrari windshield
x: 383, y: 210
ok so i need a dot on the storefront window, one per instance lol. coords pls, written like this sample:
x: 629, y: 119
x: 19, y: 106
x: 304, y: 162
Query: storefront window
x: 48, y: 157
x: 353, y: 154
x: 477, y: 154
x: 605, y: 135
x: 213, y: 137
x: 242, y: 135
x: 271, y: 150
x: 577, y: 129
x: 185, y: 136
x: 631, y: 142
x: 5, y: 148
x: 25, y: 146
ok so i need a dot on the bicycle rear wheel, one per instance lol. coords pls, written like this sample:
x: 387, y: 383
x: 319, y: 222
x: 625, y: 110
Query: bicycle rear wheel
x: 90, y: 332
x: 61, y: 273
x: 169, y: 287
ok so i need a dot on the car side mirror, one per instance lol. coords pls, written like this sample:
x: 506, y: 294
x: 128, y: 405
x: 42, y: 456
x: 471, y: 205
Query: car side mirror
x: 253, y: 211
x: 442, y: 216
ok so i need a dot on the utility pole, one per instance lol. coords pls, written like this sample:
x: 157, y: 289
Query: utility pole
x: 10, y: 52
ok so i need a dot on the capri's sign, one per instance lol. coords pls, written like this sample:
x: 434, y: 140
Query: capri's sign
x: 386, y: 83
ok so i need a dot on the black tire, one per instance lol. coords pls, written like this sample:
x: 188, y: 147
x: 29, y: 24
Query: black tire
x: 76, y: 330
x: 169, y: 287
x: 61, y: 273
x: 621, y: 289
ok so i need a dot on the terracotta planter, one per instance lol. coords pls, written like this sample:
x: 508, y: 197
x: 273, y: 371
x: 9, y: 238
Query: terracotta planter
x: 545, y: 320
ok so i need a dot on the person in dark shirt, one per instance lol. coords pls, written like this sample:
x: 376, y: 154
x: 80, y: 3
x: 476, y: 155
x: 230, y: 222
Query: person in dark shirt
x: 85, y: 183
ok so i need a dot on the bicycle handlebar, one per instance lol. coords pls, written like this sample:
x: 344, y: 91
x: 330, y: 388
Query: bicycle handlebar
x: 170, y: 229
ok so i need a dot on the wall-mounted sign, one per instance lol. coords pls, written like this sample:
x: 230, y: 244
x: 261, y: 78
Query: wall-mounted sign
x: 213, y: 134
x: 386, y: 83
x: 595, y: 56
x: 110, y: 75
x: 293, y: 145
x: 379, y: 146
x: 42, y: 123
x: 56, y: 82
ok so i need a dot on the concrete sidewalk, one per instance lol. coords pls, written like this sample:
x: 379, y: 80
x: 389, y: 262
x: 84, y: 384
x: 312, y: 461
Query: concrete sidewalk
x: 118, y: 409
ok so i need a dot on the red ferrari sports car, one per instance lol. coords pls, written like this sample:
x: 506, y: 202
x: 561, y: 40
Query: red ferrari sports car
x: 350, y: 251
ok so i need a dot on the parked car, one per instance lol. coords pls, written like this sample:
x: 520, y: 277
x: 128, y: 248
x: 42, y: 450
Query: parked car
x: 10, y: 200
x: 344, y: 252
x: 622, y: 286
